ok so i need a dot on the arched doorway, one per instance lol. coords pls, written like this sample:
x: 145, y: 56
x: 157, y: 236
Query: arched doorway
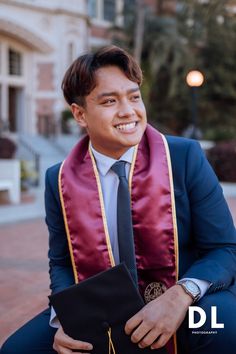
x: 17, y: 86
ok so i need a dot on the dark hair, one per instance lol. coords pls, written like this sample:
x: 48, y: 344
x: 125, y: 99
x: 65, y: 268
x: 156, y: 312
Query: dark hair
x: 80, y: 77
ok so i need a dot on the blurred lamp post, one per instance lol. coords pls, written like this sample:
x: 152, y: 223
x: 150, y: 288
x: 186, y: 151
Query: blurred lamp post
x: 194, y: 80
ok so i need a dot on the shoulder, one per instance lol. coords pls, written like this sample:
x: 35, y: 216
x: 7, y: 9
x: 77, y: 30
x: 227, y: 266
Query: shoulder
x: 190, y: 164
x: 51, y: 179
x: 53, y: 172
x: 181, y: 144
x: 184, y: 150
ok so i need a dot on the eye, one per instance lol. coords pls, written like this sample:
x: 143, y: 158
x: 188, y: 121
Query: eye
x: 135, y: 98
x: 108, y: 101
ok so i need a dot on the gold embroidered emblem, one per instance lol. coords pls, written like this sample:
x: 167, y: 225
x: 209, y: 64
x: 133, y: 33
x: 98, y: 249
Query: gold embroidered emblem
x: 154, y: 290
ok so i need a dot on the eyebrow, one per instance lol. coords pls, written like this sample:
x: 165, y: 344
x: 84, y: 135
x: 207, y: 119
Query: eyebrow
x: 115, y: 93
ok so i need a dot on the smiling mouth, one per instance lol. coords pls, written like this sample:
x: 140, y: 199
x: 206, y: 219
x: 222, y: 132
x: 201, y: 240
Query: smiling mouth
x: 126, y: 127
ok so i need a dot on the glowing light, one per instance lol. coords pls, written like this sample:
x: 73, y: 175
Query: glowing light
x: 195, y: 78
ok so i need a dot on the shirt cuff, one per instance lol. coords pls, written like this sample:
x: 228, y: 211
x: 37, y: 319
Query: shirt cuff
x: 203, y: 285
x: 54, y: 322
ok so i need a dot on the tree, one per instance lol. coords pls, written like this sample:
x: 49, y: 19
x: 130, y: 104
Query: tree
x: 139, y: 30
x: 202, y: 36
x: 212, y: 37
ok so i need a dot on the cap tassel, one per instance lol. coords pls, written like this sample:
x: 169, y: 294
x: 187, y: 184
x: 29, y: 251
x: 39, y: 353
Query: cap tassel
x: 111, y: 345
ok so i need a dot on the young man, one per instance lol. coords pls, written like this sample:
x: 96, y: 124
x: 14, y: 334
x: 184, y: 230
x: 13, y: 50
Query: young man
x: 181, y: 224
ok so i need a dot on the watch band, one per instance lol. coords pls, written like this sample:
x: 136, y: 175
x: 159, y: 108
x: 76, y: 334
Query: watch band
x: 191, y: 288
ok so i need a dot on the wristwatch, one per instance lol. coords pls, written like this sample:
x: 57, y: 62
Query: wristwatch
x: 190, y: 288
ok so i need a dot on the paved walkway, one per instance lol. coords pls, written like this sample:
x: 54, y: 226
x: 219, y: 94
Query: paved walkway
x: 31, y: 207
x: 24, y: 282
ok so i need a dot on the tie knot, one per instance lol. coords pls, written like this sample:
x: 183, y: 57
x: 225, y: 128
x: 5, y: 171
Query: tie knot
x: 119, y: 168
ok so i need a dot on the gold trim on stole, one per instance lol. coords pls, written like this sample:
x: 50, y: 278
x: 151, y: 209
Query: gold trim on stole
x: 173, y: 217
x: 131, y: 172
x: 66, y: 225
x: 173, y: 206
x: 104, y: 219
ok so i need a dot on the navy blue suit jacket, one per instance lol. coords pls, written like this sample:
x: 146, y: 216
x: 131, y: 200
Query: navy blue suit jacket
x: 206, y: 233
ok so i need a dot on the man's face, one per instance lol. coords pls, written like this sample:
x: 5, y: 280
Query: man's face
x: 114, y: 116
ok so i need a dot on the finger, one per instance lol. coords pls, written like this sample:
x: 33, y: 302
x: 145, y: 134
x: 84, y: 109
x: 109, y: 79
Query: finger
x: 132, y: 323
x: 82, y: 345
x: 70, y: 343
x: 149, y: 339
x: 69, y: 351
x: 140, y: 332
x: 162, y: 340
x: 61, y: 350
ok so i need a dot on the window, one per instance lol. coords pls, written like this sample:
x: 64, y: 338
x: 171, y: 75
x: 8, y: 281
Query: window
x: 92, y: 8
x: 0, y: 58
x: 109, y: 10
x: 102, y: 9
x: 1, y: 122
x: 71, y: 53
x: 15, y: 62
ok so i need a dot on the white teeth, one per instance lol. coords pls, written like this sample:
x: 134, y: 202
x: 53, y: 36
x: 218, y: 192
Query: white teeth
x: 126, y: 126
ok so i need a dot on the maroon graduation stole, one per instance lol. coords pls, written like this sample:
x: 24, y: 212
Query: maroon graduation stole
x: 153, y: 215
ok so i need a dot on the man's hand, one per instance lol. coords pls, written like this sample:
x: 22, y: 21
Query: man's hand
x: 64, y: 344
x: 159, y: 319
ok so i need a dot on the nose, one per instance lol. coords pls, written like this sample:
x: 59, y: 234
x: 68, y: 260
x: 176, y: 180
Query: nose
x: 125, y: 109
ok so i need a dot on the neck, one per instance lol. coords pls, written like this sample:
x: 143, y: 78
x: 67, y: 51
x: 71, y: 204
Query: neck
x: 112, y: 154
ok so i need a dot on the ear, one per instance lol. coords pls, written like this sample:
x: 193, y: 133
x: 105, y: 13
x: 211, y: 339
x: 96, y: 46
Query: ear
x: 79, y: 114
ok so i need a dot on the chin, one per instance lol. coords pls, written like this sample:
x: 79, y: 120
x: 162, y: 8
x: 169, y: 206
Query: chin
x: 136, y: 138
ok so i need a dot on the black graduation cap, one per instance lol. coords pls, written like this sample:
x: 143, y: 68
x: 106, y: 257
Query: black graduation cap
x: 97, y: 309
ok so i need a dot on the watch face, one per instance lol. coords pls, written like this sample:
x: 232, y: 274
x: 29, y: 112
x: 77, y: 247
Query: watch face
x: 192, y: 287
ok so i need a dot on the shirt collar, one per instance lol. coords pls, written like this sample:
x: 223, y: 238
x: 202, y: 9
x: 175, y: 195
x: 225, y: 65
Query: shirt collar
x: 104, y: 162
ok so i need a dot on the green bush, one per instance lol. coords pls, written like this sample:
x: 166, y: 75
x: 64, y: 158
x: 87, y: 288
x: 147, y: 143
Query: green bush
x: 220, y: 133
x: 29, y: 175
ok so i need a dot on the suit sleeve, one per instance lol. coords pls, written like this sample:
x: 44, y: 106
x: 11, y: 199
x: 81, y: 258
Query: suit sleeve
x: 211, y: 223
x: 60, y: 268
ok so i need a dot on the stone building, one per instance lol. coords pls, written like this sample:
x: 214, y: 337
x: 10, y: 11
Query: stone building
x: 38, y: 40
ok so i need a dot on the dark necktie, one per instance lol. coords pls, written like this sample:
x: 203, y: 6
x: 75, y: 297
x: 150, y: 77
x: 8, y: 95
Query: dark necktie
x: 124, y: 221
